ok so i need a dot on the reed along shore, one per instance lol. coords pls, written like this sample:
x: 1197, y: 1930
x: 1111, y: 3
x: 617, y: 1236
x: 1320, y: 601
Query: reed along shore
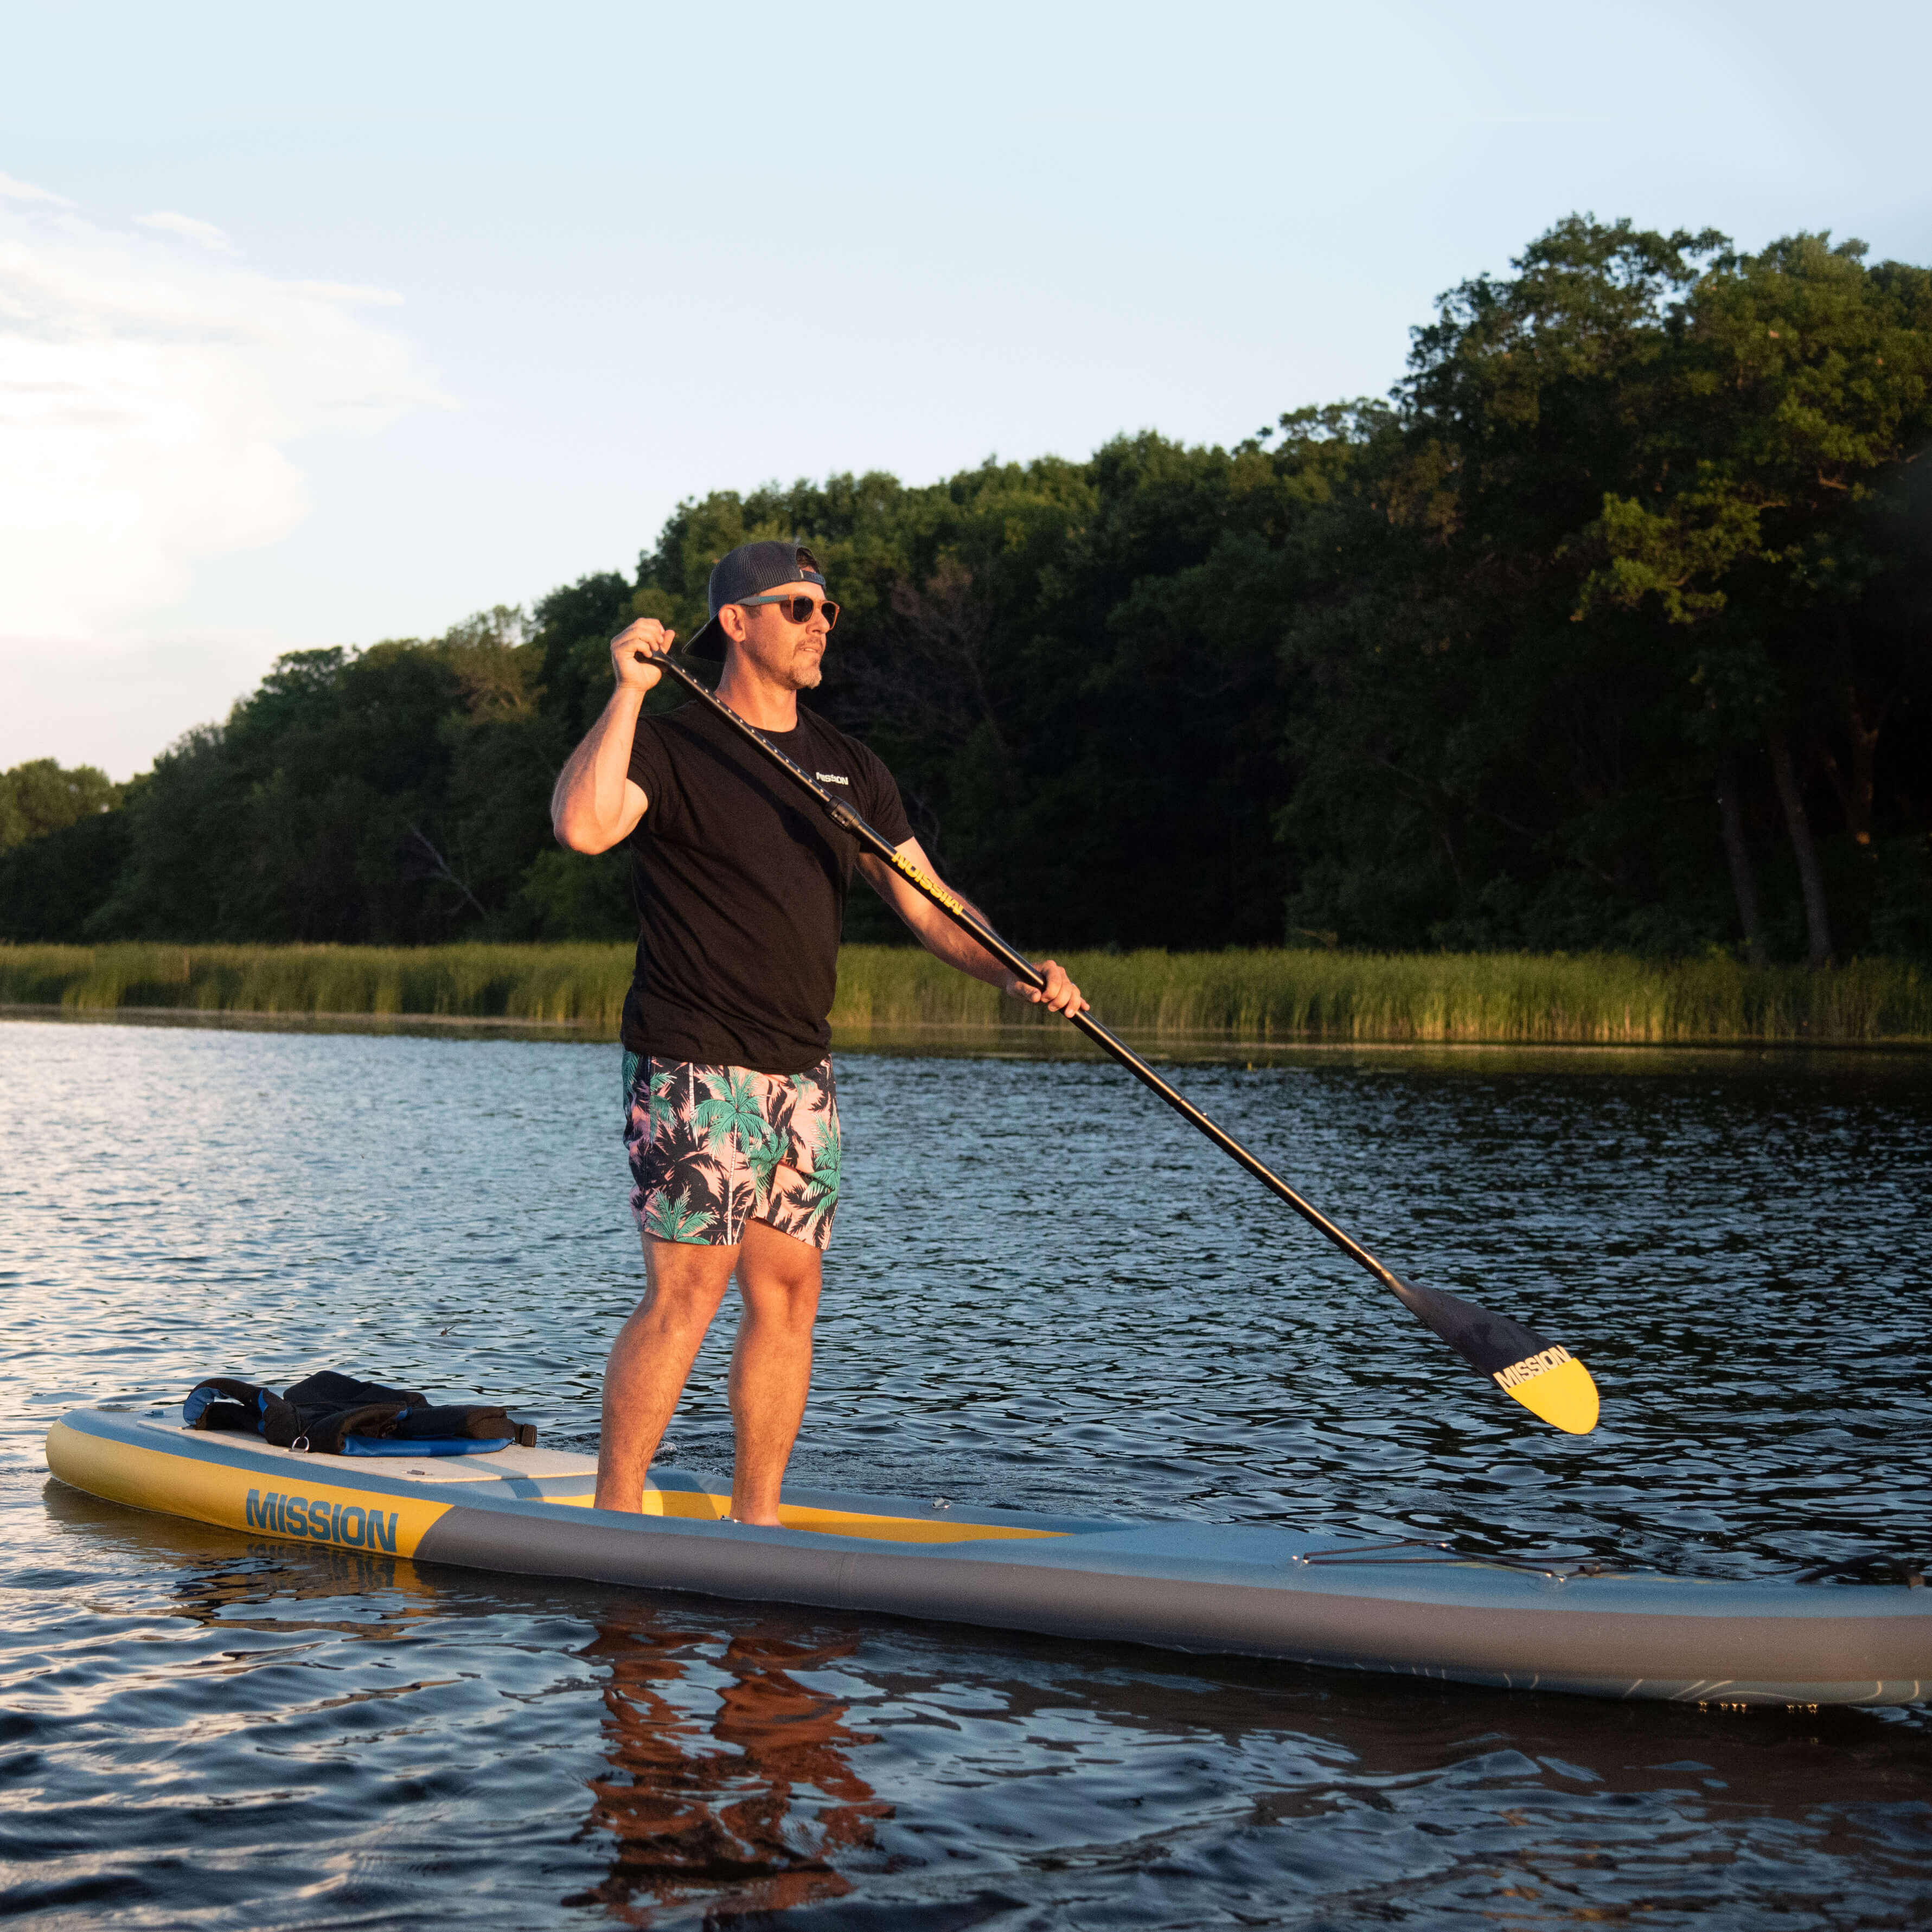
x: 1582, y: 999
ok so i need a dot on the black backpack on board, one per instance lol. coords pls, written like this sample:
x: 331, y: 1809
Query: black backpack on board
x: 335, y: 1414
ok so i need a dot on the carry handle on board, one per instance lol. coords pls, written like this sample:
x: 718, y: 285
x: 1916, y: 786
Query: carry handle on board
x: 1548, y: 1380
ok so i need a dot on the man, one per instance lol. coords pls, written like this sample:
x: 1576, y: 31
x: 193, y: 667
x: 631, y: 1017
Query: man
x: 731, y: 1110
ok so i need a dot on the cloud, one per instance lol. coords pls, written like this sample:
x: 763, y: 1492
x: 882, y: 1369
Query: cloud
x: 205, y: 232
x: 348, y: 292
x: 151, y: 392
x: 11, y: 189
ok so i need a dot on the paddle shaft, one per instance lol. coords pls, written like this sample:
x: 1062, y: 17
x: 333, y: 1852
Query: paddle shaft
x: 1016, y: 963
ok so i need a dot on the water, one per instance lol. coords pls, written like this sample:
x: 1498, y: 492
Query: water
x: 1046, y: 1292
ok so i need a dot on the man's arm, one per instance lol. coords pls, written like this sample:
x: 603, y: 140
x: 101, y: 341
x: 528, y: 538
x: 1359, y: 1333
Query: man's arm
x: 594, y: 804
x: 946, y: 941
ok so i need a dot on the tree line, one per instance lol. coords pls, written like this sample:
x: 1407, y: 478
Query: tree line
x: 1607, y: 628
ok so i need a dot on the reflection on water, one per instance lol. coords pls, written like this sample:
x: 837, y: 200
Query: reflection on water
x: 757, y: 1801
x: 1043, y: 1293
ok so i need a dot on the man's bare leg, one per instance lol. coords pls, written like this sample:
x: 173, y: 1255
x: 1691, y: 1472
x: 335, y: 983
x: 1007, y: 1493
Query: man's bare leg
x: 652, y: 1358
x: 771, y: 1366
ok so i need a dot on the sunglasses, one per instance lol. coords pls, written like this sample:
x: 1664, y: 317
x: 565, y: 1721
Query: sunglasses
x: 798, y: 610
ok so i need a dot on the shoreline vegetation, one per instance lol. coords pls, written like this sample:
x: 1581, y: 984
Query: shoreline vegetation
x: 1273, y: 996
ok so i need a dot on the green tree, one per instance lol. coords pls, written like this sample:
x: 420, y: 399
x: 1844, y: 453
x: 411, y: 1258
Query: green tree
x: 42, y: 796
x: 1504, y: 732
x: 1798, y: 386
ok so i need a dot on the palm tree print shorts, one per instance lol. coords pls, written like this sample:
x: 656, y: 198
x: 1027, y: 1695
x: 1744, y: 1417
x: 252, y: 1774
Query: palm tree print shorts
x: 712, y: 1147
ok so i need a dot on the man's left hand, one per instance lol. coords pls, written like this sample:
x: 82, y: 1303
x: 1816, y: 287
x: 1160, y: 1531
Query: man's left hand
x: 1061, y: 993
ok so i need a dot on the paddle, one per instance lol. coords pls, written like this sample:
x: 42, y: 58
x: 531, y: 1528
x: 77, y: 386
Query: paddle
x: 1546, y: 1379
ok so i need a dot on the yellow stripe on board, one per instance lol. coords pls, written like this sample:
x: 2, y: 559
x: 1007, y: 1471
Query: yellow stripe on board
x: 702, y: 1506
x: 294, y: 1506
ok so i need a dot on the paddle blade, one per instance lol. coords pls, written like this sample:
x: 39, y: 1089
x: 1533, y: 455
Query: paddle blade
x: 1548, y: 1380
x: 1559, y: 1390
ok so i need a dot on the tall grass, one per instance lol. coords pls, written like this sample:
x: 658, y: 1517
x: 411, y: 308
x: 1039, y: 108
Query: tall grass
x: 583, y: 984
x: 1584, y: 998
x: 1589, y: 998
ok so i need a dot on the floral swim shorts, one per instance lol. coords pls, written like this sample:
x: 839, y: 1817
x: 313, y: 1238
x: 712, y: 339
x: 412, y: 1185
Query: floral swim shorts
x: 712, y: 1147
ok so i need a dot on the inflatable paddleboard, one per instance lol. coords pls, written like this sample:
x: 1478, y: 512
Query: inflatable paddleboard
x: 1343, y: 1600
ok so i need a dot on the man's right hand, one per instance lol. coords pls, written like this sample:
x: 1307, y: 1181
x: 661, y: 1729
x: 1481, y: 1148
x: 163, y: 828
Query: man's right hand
x: 646, y: 634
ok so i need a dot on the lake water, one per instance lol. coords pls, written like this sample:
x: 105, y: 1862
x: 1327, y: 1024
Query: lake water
x: 1046, y: 1292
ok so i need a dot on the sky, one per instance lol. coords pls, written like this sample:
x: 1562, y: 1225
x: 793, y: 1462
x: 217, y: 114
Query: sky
x: 319, y: 326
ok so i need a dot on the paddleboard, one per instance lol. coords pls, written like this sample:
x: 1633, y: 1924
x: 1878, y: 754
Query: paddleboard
x: 1304, y: 1596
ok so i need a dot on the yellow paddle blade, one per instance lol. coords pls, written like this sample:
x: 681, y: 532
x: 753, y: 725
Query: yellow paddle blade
x: 1556, y: 1386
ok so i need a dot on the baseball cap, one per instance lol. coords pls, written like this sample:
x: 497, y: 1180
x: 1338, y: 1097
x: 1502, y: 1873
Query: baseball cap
x: 745, y: 572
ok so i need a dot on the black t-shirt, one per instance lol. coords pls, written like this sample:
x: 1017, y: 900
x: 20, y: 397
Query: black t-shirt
x: 740, y: 881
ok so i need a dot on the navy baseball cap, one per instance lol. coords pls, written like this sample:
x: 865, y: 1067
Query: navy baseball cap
x: 746, y: 572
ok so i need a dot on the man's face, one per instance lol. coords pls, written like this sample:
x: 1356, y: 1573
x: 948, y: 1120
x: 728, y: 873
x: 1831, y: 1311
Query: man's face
x: 789, y: 654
